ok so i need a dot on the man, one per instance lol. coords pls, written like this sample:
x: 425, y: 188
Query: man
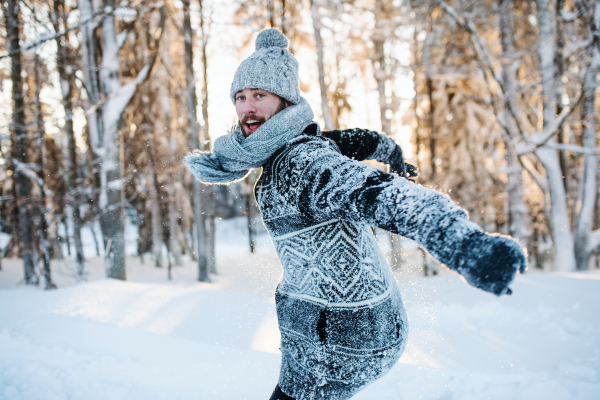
x: 342, y: 320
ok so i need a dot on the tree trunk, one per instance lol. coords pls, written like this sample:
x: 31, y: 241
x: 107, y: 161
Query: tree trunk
x: 156, y: 206
x: 208, y: 198
x: 93, y: 111
x: 249, y: 211
x: 43, y: 225
x: 283, y: 25
x: 561, y: 230
x: 379, y: 72
x: 194, y: 141
x: 19, y: 137
x: 212, y: 231
x: 560, y: 87
x: 271, y: 11
x: 583, y: 233
x: 396, y: 258
x: 427, y: 62
x: 517, y: 210
x: 111, y: 175
x: 416, y: 67
x: 431, y: 127
x: 104, y: 136
x: 380, y: 75
x: 66, y: 85
x: 175, y: 247
x: 329, y: 125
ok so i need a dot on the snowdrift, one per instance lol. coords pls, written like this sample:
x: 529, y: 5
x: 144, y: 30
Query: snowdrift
x: 123, y: 340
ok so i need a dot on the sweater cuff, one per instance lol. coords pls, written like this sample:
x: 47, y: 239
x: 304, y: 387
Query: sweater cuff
x: 385, y: 149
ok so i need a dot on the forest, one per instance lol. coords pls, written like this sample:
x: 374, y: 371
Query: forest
x: 496, y: 103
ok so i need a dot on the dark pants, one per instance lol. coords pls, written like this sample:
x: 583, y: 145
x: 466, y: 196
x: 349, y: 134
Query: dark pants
x: 279, y: 395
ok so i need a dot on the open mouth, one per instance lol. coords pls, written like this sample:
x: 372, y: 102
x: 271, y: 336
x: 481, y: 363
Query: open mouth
x: 252, y: 125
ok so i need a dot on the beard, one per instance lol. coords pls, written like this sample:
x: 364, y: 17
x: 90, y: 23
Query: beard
x: 261, y: 120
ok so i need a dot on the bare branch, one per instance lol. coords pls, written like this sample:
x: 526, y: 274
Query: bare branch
x: 44, y: 38
x: 541, y: 139
x: 537, y: 177
x: 95, y: 18
x: 28, y: 170
x: 576, y: 46
x: 128, y: 89
x: 572, y: 148
x: 469, y: 26
x: 484, y: 58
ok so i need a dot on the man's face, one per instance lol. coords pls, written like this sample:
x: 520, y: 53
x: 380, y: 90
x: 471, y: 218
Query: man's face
x: 255, y: 106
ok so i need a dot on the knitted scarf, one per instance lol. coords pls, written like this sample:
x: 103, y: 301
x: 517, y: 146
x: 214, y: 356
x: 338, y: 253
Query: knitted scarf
x: 233, y: 155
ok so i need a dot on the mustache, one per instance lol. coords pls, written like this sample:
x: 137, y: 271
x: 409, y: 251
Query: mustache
x: 260, y: 120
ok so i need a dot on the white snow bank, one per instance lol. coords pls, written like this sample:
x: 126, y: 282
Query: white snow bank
x: 123, y: 340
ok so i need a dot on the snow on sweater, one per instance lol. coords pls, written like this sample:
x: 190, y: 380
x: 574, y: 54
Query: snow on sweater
x: 342, y: 320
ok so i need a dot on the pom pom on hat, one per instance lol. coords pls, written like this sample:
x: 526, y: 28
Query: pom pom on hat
x: 271, y: 38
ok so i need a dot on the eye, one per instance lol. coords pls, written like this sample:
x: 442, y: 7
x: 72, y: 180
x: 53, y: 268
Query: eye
x: 240, y: 98
x: 260, y: 95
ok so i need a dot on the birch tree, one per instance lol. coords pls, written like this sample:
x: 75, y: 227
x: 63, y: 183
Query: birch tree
x: 104, y: 135
x: 542, y: 144
x: 384, y: 30
x: 209, y: 195
x: 316, y: 19
x: 191, y: 100
x: 173, y: 216
x: 66, y: 76
x: 516, y: 206
x: 561, y: 227
x: 42, y: 225
x: 587, y: 243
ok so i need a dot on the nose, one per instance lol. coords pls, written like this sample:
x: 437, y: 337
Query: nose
x: 249, y: 106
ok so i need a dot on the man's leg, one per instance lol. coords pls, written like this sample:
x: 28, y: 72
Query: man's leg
x: 279, y: 395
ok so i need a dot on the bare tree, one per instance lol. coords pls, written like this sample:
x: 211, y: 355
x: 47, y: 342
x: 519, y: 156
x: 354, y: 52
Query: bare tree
x: 155, y: 205
x: 209, y: 195
x: 66, y: 76
x: 191, y: 100
x: 248, y: 195
x: 316, y: 18
x: 383, y: 30
x: 516, y: 206
x: 19, y: 138
x: 587, y: 243
x: 173, y: 215
x: 42, y: 225
x: 541, y: 144
x: 104, y: 135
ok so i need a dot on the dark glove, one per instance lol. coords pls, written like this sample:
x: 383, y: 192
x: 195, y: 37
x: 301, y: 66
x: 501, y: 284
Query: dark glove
x: 398, y: 166
x: 489, y: 262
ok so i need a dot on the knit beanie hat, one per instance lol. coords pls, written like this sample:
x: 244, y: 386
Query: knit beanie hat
x: 271, y: 67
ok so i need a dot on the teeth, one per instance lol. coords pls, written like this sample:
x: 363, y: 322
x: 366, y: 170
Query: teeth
x: 251, y: 121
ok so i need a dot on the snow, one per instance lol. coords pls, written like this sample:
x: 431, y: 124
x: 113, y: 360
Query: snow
x: 149, y: 338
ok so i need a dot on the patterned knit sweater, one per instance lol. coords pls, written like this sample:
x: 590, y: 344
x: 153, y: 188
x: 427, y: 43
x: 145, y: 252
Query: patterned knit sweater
x: 341, y: 317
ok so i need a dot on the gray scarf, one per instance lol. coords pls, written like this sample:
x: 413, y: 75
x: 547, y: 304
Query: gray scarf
x: 233, y: 155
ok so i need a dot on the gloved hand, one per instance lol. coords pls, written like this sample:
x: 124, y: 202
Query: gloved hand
x: 489, y: 262
x: 398, y: 166
x: 411, y: 172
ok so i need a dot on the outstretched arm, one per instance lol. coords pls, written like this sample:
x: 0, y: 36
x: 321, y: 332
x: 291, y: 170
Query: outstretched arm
x: 335, y: 187
x: 363, y: 144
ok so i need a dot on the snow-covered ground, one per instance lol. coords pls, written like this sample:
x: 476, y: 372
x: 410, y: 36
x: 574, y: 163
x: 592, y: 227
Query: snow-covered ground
x: 154, y: 339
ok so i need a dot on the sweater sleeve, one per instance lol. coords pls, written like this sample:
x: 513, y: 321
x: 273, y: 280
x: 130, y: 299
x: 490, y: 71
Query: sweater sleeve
x: 333, y: 186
